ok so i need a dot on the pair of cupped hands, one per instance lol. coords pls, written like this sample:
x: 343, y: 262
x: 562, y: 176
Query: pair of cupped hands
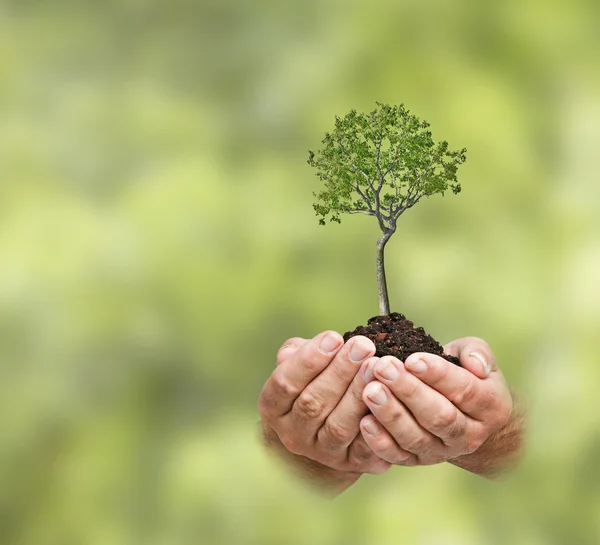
x: 344, y: 409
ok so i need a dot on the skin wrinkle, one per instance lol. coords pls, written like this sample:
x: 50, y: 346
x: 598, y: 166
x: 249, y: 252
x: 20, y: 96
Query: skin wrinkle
x: 505, y: 444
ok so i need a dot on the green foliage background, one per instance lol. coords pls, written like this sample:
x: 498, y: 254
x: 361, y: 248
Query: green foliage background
x: 158, y: 244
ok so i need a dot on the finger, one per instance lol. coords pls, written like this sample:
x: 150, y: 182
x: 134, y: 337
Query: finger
x: 433, y: 411
x: 288, y: 348
x: 342, y: 424
x: 474, y: 354
x: 400, y: 423
x: 324, y: 392
x: 473, y: 396
x: 293, y: 375
x: 379, y: 440
x: 361, y: 457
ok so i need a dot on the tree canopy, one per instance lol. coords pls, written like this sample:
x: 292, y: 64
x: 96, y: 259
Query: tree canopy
x: 381, y: 164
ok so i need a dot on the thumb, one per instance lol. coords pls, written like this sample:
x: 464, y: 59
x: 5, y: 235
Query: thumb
x: 474, y: 354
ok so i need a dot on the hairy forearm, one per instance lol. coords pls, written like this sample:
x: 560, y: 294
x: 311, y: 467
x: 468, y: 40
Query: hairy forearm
x: 326, y: 479
x: 501, y: 451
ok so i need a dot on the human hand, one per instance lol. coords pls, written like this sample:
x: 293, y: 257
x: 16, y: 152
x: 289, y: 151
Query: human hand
x: 313, y: 401
x: 427, y: 410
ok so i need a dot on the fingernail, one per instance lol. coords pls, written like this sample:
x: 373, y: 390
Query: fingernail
x: 368, y: 372
x: 329, y: 343
x: 371, y: 426
x: 484, y: 364
x: 375, y: 393
x: 359, y: 351
x: 388, y: 370
x: 416, y: 366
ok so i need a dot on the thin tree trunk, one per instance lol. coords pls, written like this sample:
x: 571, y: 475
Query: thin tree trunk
x: 382, y: 291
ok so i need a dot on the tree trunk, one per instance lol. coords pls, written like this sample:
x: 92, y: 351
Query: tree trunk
x: 382, y: 291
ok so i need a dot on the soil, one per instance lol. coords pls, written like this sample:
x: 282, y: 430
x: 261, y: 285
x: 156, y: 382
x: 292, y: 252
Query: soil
x: 394, y: 335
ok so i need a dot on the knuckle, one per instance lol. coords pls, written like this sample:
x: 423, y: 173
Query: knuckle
x: 308, y: 406
x: 264, y: 407
x: 438, y: 370
x: 381, y: 445
x: 292, y: 341
x: 392, y: 415
x: 444, y: 418
x: 388, y: 453
x: 457, y: 430
x: 282, y: 354
x: 387, y: 449
x: 312, y: 360
x: 466, y: 393
x: 336, y: 433
x: 409, y: 390
x: 403, y: 458
x: 283, y: 351
x: 359, y: 456
x: 418, y: 445
x: 341, y: 371
x: 281, y: 386
x: 356, y: 394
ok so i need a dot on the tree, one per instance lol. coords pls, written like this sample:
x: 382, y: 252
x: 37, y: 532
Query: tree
x: 381, y: 164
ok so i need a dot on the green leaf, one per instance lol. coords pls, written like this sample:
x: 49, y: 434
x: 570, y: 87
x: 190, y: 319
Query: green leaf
x: 381, y: 163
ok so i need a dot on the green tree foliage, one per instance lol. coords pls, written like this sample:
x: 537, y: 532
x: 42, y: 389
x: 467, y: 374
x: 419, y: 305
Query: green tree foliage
x: 381, y: 164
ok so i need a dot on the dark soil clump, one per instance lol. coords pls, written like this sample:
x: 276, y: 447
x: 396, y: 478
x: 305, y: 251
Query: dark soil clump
x: 394, y: 335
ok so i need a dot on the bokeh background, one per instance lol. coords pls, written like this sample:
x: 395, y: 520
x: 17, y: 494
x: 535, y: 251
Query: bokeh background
x: 158, y: 244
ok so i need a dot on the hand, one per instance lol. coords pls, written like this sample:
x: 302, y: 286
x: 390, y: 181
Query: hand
x: 427, y: 410
x: 313, y: 401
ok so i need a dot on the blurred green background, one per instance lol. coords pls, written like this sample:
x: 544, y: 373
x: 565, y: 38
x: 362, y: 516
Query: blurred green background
x: 158, y: 244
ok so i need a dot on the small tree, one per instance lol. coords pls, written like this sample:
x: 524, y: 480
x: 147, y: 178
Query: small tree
x: 381, y: 164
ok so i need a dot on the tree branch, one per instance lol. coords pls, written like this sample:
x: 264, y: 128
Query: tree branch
x: 364, y: 197
x: 350, y: 211
x: 398, y: 211
x: 406, y: 202
x: 377, y: 163
x: 356, y: 169
x: 414, y: 199
x: 393, y: 163
x: 397, y: 196
x: 412, y: 203
x: 409, y: 201
x: 377, y: 213
x: 410, y: 195
x: 384, y: 217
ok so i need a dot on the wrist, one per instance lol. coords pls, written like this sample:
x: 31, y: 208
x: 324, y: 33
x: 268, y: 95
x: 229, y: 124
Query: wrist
x: 501, y: 450
x: 327, y: 479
